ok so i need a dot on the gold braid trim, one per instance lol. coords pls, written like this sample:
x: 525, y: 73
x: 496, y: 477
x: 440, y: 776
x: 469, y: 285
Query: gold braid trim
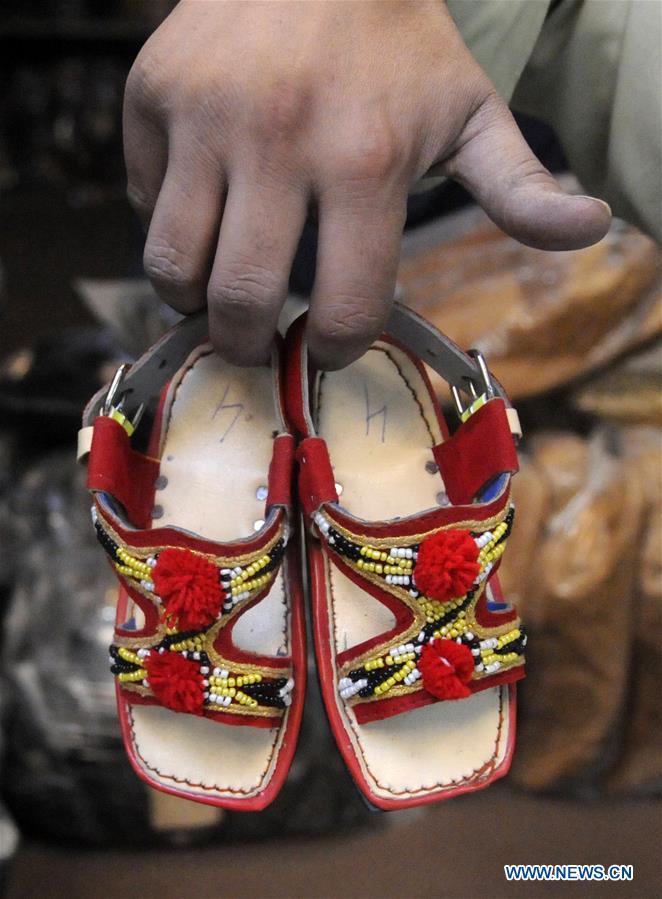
x: 481, y: 675
x: 233, y: 708
x: 141, y: 642
x: 220, y: 561
x: 403, y: 690
x: 420, y: 618
x: 481, y: 631
x: 487, y: 524
x: 411, y: 632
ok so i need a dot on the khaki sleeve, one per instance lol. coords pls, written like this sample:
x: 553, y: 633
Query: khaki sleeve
x: 501, y: 35
x: 595, y: 75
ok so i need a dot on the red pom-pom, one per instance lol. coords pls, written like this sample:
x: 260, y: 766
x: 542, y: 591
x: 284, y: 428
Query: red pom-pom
x: 189, y: 588
x: 447, y: 565
x: 175, y: 681
x: 447, y: 668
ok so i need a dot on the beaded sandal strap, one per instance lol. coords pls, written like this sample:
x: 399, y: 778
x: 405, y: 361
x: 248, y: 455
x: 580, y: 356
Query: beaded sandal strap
x: 454, y: 635
x: 183, y: 658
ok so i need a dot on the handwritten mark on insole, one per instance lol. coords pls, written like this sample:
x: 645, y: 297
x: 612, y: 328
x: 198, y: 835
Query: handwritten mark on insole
x: 369, y: 415
x: 237, y: 408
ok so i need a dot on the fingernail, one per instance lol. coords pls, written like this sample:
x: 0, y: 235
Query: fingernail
x: 593, y: 200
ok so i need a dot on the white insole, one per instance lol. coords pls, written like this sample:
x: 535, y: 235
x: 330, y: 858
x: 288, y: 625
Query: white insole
x: 218, y: 426
x: 379, y: 423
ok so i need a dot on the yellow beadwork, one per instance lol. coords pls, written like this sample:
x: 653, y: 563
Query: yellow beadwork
x: 509, y: 637
x: 131, y: 567
x: 126, y: 677
x: 395, y: 678
x: 395, y: 565
x: 493, y: 550
x: 250, y: 585
x: 128, y: 656
x: 374, y: 663
x: 244, y: 680
x: 243, y: 699
x: 248, y: 573
x: 247, y: 581
x: 458, y: 613
x: 195, y: 644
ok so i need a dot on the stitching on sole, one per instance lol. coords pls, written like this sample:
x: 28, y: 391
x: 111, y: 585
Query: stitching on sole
x: 475, y: 776
x: 280, y: 733
x: 201, y: 786
x: 487, y: 767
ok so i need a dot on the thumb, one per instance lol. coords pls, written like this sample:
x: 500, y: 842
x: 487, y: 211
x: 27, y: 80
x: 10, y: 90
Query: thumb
x: 493, y: 161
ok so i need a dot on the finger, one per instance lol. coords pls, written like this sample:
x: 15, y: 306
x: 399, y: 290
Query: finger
x: 357, y: 262
x: 494, y: 162
x: 183, y: 232
x: 249, y: 280
x: 145, y: 154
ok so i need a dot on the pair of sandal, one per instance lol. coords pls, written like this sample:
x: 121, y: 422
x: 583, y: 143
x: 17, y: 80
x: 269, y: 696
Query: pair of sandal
x: 191, y: 464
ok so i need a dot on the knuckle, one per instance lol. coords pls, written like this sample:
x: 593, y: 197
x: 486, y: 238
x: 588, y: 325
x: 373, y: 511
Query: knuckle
x: 171, y: 268
x: 283, y: 109
x: 488, y: 98
x: 349, y: 320
x: 488, y: 108
x: 209, y: 104
x: 372, y: 156
x: 528, y: 168
x: 139, y: 200
x: 146, y: 84
x: 244, y: 290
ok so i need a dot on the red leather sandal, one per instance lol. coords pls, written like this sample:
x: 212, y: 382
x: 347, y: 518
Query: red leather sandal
x: 416, y: 650
x: 209, y: 648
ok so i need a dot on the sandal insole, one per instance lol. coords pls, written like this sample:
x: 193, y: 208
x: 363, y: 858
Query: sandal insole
x: 218, y: 427
x: 379, y: 423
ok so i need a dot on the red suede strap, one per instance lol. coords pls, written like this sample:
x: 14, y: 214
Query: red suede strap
x: 481, y: 449
x: 366, y: 712
x: 280, y: 472
x: 316, y: 481
x: 296, y: 376
x: 115, y: 468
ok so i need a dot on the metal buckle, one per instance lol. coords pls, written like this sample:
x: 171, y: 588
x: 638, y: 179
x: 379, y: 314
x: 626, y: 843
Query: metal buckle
x: 114, y: 390
x: 487, y: 387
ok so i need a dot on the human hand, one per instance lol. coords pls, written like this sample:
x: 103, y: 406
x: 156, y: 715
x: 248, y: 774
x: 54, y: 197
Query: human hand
x: 241, y: 116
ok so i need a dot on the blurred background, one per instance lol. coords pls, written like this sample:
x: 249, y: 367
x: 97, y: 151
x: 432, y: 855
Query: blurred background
x: 575, y: 337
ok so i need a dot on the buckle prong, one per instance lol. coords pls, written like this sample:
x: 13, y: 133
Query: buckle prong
x: 114, y: 390
x: 487, y: 388
x: 115, y: 384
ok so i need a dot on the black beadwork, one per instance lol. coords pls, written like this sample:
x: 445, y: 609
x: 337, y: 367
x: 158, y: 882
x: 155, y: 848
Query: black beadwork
x: 120, y: 665
x: 516, y: 645
x: 107, y: 542
x: 432, y: 626
x: 343, y: 546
